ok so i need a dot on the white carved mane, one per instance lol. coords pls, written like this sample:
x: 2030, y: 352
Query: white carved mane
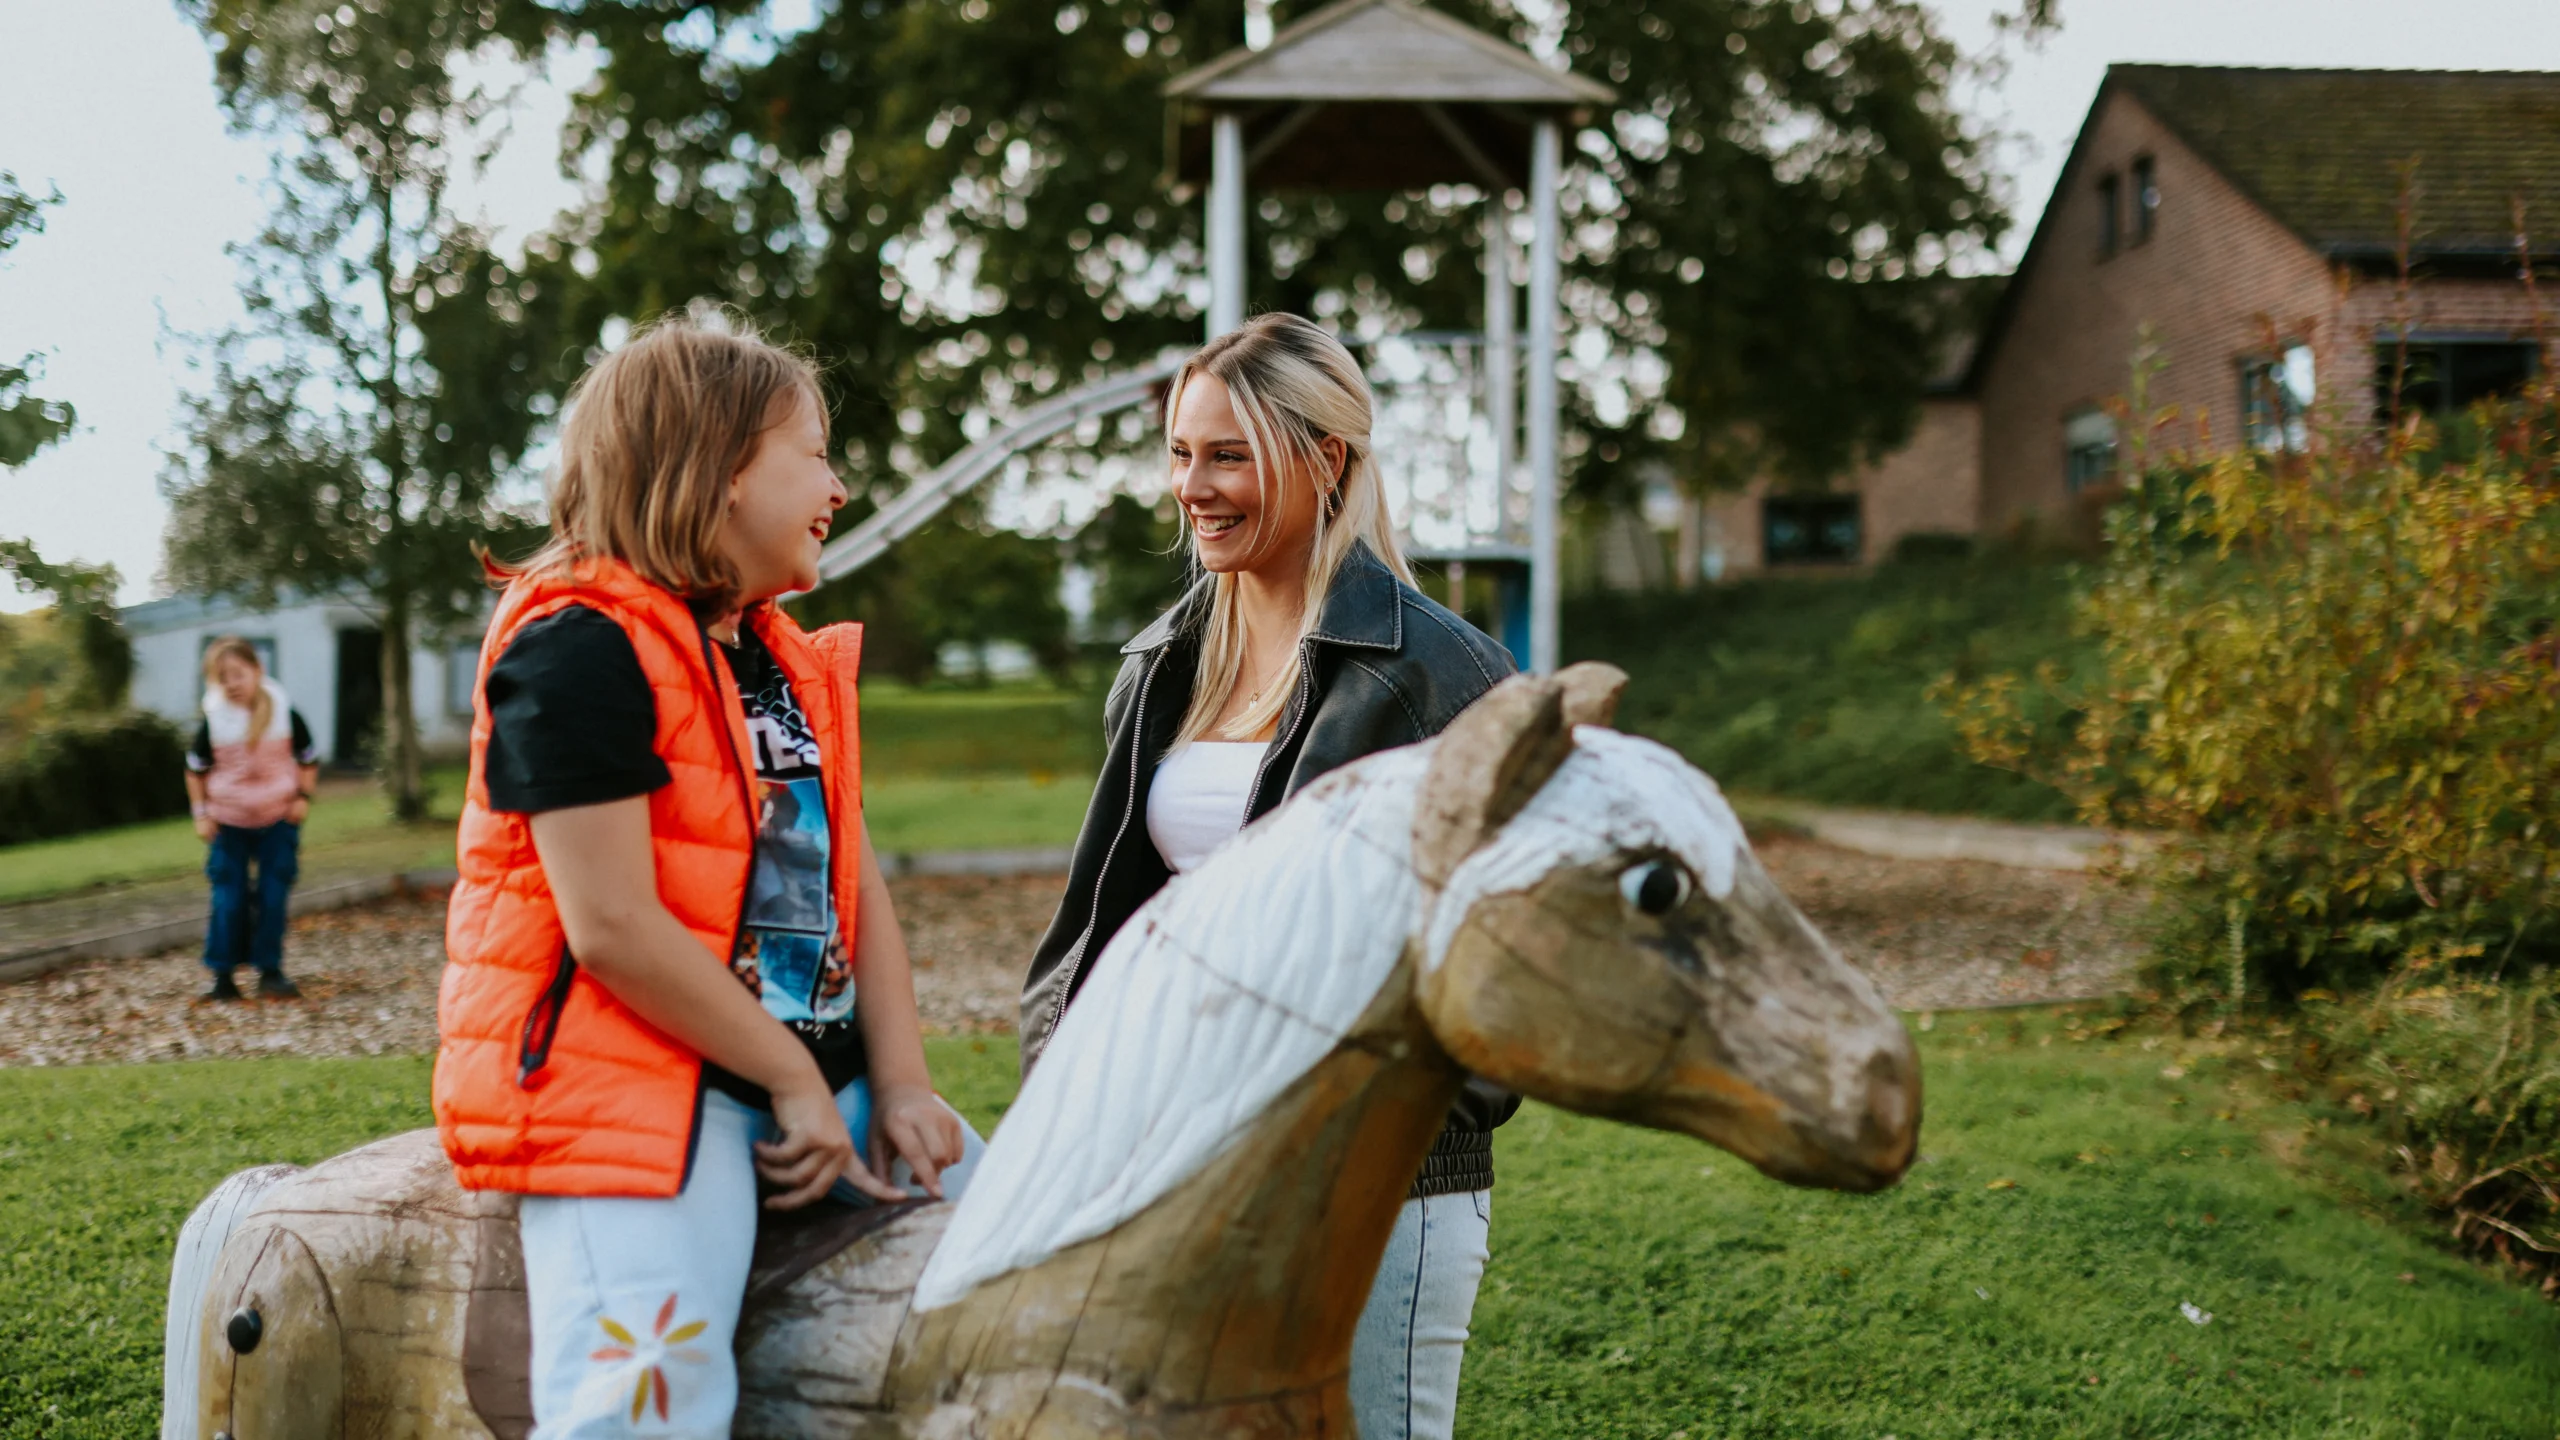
x: 1237, y: 978
x: 1233, y: 981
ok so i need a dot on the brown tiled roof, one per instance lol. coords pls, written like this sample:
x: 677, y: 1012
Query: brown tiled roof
x: 2320, y: 149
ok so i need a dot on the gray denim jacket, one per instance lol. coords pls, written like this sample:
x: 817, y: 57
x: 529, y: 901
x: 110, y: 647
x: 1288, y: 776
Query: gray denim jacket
x: 1384, y: 667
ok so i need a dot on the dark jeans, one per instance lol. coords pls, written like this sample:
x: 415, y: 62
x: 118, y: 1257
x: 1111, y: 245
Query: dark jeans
x: 248, y: 924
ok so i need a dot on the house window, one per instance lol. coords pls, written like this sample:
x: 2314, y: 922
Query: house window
x: 2146, y: 198
x: 2088, y: 450
x: 1810, y: 530
x: 2275, y: 400
x: 2446, y: 377
x: 2110, y: 212
x: 461, y: 677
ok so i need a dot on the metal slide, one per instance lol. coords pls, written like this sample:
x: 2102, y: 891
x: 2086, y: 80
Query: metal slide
x: 924, y: 499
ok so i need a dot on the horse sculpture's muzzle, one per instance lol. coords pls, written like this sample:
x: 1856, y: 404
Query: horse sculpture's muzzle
x: 1791, y: 1059
x: 1728, y: 1018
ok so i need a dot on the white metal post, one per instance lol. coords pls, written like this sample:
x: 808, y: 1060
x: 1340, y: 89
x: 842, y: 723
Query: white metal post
x: 1545, y: 159
x: 1226, y: 222
x: 1501, y: 350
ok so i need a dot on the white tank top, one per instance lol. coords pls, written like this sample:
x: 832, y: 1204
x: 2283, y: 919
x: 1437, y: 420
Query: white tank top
x: 1197, y: 801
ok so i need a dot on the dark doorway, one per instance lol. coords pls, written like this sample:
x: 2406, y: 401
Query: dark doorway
x: 359, y: 732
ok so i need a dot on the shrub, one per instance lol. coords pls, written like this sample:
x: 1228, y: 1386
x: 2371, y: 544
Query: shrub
x: 2464, y: 1077
x: 76, y: 772
x: 1817, y: 688
x: 2329, y: 684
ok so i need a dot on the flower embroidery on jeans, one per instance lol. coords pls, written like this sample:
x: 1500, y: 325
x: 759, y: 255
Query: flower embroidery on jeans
x: 645, y: 1358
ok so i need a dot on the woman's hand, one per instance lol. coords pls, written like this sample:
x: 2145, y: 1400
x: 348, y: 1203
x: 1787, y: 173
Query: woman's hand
x: 205, y: 828
x: 299, y: 810
x: 813, y: 1149
x: 911, y: 1123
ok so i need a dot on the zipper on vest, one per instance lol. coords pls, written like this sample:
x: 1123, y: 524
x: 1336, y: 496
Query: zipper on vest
x: 1075, y: 956
x: 746, y: 785
x: 542, y: 1022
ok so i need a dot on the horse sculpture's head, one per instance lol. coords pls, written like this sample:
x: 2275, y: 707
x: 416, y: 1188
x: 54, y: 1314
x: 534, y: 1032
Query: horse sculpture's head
x: 1600, y: 937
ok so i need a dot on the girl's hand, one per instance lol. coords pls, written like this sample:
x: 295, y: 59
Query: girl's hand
x: 298, y: 811
x: 205, y: 828
x: 813, y: 1151
x: 910, y: 1122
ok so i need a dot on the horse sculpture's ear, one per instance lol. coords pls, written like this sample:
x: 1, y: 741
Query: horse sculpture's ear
x: 1591, y: 689
x: 1490, y: 761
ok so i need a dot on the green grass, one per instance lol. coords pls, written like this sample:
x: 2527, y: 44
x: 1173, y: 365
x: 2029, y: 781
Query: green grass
x: 1029, y: 729
x: 344, y: 829
x: 909, y: 814
x: 1001, y: 768
x: 1642, y: 1285
x: 1815, y: 688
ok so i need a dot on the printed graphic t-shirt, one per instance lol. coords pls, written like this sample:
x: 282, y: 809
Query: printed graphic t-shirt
x: 572, y: 722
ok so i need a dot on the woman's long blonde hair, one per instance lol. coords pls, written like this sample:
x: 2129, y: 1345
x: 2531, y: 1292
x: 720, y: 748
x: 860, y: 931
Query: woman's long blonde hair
x: 655, y: 432
x: 262, y: 707
x: 1292, y: 386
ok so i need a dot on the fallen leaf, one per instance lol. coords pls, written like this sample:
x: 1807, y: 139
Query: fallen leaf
x: 2173, y: 1072
x: 2005, y: 1184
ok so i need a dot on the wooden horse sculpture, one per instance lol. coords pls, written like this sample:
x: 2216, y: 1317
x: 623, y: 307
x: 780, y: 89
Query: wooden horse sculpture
x: 1174, y: 1230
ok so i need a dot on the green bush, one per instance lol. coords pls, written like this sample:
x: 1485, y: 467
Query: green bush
x: 1818, y: 688
x: 2329, y: 684
x: 76, y: 772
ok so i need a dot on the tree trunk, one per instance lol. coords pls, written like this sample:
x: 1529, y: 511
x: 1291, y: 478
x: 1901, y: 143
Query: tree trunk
x: 401, y: 769
x: 1689, y: 550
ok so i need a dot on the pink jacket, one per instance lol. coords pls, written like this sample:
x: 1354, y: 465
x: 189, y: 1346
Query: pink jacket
x: 250, y: 781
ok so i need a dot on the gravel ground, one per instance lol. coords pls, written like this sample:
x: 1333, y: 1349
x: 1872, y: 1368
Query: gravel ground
x: 1936, y: 934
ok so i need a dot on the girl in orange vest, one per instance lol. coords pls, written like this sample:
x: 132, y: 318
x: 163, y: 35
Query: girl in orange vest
x: 674, y: 971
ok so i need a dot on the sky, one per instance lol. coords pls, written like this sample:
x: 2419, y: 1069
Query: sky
x: 111, y: 102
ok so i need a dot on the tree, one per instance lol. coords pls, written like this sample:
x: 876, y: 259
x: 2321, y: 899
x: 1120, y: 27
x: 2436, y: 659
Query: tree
x: 360, y: 426
x: 84, y: 596
x: 27, y: 423
x: 960, y: 206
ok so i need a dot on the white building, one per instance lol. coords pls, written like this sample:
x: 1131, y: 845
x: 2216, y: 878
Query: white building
x: 325, y: 652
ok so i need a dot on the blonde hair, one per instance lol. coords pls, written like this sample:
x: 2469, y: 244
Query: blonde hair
x: 1293, y: 386
x: 655, y: 433
x: 262, y: 707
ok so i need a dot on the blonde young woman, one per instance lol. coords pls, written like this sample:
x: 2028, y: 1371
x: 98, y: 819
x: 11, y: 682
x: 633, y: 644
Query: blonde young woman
x: 1303, y: 646
x: 250, y: 771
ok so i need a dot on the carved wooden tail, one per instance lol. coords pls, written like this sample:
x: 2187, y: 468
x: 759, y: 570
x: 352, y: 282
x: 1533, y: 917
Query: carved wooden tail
x: 199, y: 1254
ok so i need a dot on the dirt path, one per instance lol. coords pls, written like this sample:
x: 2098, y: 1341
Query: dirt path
x: 1936, y: 934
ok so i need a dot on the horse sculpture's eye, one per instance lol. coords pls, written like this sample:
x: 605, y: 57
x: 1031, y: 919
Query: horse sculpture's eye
x: 1656, y: 887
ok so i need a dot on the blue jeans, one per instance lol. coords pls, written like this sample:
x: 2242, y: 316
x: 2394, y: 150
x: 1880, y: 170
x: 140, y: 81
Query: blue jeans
x: 1413, y: 1332
x: 247, y: 926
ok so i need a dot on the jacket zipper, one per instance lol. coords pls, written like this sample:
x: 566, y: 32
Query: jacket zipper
x: 746, y: 785
x: 542, y: 1022
x: 1075, y: 956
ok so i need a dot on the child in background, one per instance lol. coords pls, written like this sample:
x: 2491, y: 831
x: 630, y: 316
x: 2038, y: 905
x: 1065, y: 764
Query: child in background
x: 673, y: 968
x: 249, y: 778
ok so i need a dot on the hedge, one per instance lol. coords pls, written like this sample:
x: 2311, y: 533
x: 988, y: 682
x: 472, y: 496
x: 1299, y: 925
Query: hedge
x: 87, y: 772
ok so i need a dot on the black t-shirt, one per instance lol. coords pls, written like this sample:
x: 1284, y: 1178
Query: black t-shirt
x: 572, y: 721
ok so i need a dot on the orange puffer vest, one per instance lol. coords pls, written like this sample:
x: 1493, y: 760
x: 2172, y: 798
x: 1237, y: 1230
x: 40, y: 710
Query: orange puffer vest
x: 545, y: 1084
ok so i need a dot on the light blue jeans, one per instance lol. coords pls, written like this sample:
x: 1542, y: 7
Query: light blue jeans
x: 635, y: 1303
x: 1413, y: 1333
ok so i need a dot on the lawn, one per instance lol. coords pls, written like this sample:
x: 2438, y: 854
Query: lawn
x: 999, y: 768
x: 348, y: 827
x: 2024, y: 1281
x: 1815, y: 687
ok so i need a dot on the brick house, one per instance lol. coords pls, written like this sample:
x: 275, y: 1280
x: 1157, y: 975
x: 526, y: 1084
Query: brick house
x: 2243, y: 226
